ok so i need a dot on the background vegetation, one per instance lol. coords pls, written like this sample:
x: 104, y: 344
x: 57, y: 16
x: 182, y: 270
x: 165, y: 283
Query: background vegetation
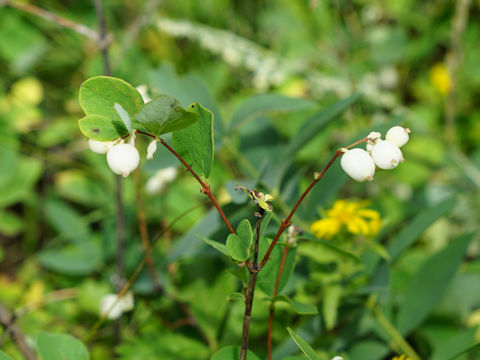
x: 274, y: 73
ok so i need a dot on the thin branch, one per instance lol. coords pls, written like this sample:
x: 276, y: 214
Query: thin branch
x: 251, y: 288
x: 103, y: 36
x: 59, y: 20
x: 286, y: 222
x: 205, y: 187
x: 272, y: 302
x: 8, y: 323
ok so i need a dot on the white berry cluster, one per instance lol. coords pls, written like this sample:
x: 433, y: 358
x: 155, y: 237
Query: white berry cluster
x: 122, y: 158
x: 385, y: 154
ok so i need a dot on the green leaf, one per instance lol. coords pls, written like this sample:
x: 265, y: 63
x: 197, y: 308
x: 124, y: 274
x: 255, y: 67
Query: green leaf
x: 300, y: 308
x: 101, y: 128
x: 417, y: 226
x: 195, y: 143
x: 262, y: 103
x: 215, y: 244
x: 99, y: 94
x: 165, y: 114
x: 317, y: 123
x: 60, y: 347
x: 268, y: 276
x: 4, y: 356
x: 430, y: 283
x: 232, y: 353
x: 238, y: 245
x: 303, y: 345
x: 331, y: 300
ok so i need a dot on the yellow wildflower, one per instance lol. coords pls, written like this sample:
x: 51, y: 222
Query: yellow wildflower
x: 441, y: 79
x: 349, y: 214
x: 401, y: 357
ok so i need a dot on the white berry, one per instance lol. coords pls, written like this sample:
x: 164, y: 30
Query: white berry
x: 100, y: 147
x: 111, y: 307
x: 358, y: 164
x: 387, y: 155
x: 398, y: 135
x: 123, y: 159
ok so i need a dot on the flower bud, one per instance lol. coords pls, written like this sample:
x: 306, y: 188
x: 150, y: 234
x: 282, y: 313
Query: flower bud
x: 398, y: 135
x: 387, y: 155
x: 100, y: 147
x: 123, y: 159
x: 152, y: 147
x: 374, y: 135
x: 358, y: 164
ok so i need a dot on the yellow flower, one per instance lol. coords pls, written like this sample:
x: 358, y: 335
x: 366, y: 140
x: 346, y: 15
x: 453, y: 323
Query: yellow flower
x: 349, y: 214
x: 440, y: 78
x: 401, y: 357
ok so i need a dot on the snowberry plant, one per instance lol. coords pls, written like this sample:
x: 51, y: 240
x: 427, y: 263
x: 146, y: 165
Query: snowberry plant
x: 116, y: 114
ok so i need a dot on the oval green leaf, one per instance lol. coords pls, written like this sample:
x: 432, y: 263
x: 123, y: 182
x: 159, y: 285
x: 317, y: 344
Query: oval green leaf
x: 238, y: 245
x: 99, y: 94
x: 303, y: 345
x: 101, y: 128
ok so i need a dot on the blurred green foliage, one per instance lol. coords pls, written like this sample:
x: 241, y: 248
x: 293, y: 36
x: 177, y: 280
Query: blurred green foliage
x: 288, y: 82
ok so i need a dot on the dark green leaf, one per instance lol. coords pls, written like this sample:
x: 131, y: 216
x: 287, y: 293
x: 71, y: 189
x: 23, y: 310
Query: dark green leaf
x: 165, y: 114
x: 195, y: 143
x: 60, y: 347
x: 238, y: 245
x: 300, y: 308
x: 258, y: 104
x: 303, y: 345
x: 417, y: 226
x: 317, y: 123
x: 101, y: 128
x: 430, y: 283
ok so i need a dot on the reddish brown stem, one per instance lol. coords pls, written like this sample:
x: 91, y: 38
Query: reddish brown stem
x: 272, y: 308
x: 286, y: 221
x: 205, y: 187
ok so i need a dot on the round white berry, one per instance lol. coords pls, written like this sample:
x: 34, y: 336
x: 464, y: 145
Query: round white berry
x: 123, y: 159
x: 387, y: 155
x: 111, y: 307
x: 358, y: 164
x: 398, y: 135
x: 100, y: 147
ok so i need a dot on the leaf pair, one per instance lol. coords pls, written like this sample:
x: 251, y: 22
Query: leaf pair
x: 99, y: 96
